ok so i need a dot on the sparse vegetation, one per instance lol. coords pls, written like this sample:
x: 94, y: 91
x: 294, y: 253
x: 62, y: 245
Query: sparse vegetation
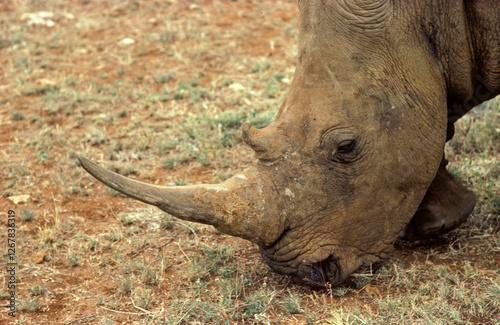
x: 73, y: 259
x: 168, y: 109
x: 38, y: 290
x: 29, y: 306
x: 18, y: 116
x: 27, y: 215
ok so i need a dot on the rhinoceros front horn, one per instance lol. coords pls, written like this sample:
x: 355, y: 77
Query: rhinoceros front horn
x: 236, y: 207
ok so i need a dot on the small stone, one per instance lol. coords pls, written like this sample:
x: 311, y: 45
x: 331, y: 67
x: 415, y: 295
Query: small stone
x: 236, y: 87
x: 127, y: 41
x: 39, y: 257
x: 16, y: 199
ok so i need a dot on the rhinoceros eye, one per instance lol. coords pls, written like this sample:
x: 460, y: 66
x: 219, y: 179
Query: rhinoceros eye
x: 346, y: 147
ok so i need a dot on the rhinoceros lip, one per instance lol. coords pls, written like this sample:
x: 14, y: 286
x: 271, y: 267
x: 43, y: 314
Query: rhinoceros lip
x: 325, y: 272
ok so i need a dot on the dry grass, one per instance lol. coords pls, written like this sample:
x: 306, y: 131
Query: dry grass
x: 167, y: 109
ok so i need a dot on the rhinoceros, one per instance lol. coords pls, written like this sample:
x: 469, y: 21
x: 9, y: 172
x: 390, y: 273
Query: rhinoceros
x: 355, y: 155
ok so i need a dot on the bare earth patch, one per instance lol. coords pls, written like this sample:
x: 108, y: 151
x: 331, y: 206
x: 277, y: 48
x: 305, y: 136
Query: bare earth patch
x: 158, y: 90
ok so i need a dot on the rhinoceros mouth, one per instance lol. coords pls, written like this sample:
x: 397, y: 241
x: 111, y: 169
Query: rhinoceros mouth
x: 324, y: 273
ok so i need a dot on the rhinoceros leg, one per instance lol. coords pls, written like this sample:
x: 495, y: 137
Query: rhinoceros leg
x: 445, y: 206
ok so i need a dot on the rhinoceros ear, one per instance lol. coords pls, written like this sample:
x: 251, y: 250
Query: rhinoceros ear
x: 234, y: 207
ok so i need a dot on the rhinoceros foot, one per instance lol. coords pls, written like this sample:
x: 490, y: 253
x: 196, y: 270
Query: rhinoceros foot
x: 446, y: 205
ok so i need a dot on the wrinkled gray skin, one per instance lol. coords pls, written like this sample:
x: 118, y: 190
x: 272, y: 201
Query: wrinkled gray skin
x: 359, y: 140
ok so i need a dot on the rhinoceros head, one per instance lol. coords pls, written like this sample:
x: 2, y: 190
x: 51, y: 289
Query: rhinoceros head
x: 348, y: 158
